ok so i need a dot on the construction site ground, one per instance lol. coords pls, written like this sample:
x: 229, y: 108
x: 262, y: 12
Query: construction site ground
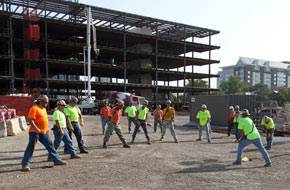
x: 161, y: 165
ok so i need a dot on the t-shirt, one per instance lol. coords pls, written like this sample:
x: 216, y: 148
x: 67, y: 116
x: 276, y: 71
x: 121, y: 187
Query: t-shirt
x: 158, y: 114
x: 269, y: 125
x: 142, y: 113
x: 168, y: 114
x: 72, y: 113
x: 116, y: 116
x: 203, y: 117
x: 106, y: 111
x: 131, y: 111
x: 39, y: 116
x: 60, y: 117
x: 249, y: 128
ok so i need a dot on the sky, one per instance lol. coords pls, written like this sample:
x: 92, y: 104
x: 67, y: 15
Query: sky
x: 250, y: 28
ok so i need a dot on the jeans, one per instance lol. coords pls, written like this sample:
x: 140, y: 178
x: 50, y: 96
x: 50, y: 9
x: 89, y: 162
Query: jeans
x: 109, y: 132
x: 156, y: 122
x: 230, y: 127
x: 130, y: 121
x: 141, y: 123
x: 237, y: 131
x: 170, y: 125
x: 258, y: 144
x: 208, y: 131
x: 47, y: 143
x: 105, y: 121
x: 65, y: 138
x: 78, y: 133
x: 269, y: 137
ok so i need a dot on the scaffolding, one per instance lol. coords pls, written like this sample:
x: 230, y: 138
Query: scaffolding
x: 137, y: 54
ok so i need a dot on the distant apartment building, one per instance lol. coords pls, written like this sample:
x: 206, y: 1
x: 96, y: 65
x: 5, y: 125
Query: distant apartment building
x: 255, y: 71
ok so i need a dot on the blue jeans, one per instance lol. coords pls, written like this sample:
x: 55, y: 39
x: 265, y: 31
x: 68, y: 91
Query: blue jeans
x: 105, y: 121
x: 230, y: 127
x: 47, y: 143
x: 258, y: 144
x: 144, y: 127
x: 237, y: 131
x: 78, y: 133
x: 207, y: 128
x: 65, y: 138
x: 156, y: 122
x: 130, y: 121
x: 269, y: 137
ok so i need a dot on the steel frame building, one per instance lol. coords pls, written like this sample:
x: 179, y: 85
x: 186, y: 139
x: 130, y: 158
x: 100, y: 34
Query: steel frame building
x: 122, y: 51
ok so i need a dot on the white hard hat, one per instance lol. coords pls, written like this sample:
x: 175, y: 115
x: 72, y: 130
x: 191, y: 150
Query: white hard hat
x: 61, y: 103
x: 203, y: 106
x: 168, y: 102
x: 145, y: 102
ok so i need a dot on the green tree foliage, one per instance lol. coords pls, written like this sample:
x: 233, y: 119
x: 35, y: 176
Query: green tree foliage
x: 262, y: 91
x: 233, y: 86
x: 197, y: 83
x: 281, y: 95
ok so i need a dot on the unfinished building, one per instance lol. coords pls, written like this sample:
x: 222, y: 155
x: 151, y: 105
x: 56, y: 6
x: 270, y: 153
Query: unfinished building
x: 42, y: 48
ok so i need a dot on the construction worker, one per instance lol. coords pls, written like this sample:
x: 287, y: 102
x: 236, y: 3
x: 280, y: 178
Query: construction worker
x: 231, y: 117
x: 73, y: 113
x: 60, y: 130
x: 203, y: 117
x: 249, y: 135
x: 130, y: 112
x: 114, y: 125
x: 142, y: 116
x: 157, y: 114
x: 236, y: 121
x: 105, y: 114
x: 269, y: 126
x: 168, y: 117
x: 38, y: 130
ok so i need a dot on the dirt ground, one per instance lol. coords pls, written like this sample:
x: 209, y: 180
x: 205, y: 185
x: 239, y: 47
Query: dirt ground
x: 162, y: 165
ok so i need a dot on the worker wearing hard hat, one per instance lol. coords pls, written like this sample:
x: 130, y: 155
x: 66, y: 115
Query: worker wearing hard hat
x: 203, y: 117
x: 105, y: 114
x: 236, y: 121
x: 131, y: 111
x: 74, y: 115
x: 60, y: 130
x: 114, y: 125
x: 168, y: 121
x: 157, y: 114
x: 269, y: 126
x: 142, y: 116
x: 39, y: 131
x: 249, y: 135
x: 231, y: 117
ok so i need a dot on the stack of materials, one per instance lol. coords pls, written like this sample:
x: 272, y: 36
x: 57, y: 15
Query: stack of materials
x: 6, y: 113
x: 10, y: 125
x: 13, y: 127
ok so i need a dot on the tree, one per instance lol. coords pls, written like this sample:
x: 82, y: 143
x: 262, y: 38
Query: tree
x: 281, y: 95
x: 197, y: 83
x: 262, y: 91
x: 233, y: 86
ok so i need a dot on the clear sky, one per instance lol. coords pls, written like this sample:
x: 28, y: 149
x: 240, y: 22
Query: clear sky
x: 250, y: 28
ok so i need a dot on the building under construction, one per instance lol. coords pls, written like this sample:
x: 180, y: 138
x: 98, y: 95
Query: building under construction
x: 43, y: 43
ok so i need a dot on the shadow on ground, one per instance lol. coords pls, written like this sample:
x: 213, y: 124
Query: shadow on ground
x: 211, y: 166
